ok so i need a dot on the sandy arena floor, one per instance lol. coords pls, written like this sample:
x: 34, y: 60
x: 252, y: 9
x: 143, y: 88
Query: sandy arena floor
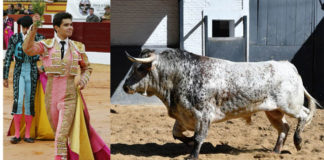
x: 97, y: 97
x: 145, y: 133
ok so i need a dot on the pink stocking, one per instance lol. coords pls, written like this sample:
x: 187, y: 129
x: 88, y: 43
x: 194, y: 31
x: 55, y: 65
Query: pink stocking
x: 17, y: 118
x: 28, y: 119
x: 58, y: 157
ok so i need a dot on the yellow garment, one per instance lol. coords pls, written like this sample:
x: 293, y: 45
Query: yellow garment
x: 79, y: 139
x: 40, y: 128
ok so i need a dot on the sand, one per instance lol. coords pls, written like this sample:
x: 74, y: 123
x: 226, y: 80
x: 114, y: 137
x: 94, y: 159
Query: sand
x: 96, y: 95
x: 145, y: 133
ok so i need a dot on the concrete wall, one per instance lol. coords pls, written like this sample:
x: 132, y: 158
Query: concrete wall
x: 193, y: 25
x: 144, y: 22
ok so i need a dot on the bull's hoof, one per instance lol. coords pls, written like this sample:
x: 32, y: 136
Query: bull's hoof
x: 298, y: 147
x: 297, y: 141
x: 191, y: 158
x: 276, y: 151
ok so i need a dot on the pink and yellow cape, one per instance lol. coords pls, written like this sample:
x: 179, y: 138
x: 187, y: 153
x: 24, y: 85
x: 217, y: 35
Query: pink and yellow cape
x: 84, y: 142
x: 7, y: 34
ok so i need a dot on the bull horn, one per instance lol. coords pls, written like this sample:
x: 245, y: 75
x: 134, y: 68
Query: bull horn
x: 149, y: 59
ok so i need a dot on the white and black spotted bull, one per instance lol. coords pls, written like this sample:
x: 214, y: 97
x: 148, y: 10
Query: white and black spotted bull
x: 198, y: 91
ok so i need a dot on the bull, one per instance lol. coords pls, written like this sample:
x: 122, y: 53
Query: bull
x: 198, y: 91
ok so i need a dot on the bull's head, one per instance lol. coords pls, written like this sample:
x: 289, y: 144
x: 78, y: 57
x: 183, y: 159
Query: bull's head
x: 138, y: 79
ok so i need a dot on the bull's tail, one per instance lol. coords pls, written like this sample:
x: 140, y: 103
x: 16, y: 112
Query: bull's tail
x: 311, y: 105
x: 305, y: 119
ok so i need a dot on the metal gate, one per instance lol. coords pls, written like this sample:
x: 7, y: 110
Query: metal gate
x: 225, y: 30
x: 230, y: 48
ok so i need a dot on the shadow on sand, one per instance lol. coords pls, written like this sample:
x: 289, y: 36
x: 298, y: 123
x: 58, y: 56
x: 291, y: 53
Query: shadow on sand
x: 177, y: 149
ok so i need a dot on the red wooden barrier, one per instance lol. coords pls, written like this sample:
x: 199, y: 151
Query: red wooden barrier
x: 95, y: 36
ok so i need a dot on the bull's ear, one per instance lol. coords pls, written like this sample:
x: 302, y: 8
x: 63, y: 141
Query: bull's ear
x: 149, y: 59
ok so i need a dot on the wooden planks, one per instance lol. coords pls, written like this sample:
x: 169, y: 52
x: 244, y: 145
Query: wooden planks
x: 281, y: 22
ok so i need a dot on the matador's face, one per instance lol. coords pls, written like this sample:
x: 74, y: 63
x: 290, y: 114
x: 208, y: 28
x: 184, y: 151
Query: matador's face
x: 65, y: 29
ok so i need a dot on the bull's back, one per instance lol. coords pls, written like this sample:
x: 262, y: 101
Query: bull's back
x: 244, y: 88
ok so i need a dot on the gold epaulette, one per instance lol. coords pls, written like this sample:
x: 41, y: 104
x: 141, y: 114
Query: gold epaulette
x: 78, y: 46
x: 49, y: 43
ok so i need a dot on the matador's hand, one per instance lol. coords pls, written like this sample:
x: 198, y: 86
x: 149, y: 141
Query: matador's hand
x: 5, y: 83
x: 81, y: 84
x: 40, y: 69
x: 36, y: 18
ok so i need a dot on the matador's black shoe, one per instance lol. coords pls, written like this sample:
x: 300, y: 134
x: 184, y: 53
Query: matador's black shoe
x: 15, y: 140
x: 29, y: 140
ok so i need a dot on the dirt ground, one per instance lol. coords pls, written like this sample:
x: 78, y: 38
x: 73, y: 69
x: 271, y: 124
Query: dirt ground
x: 145, y: 133
x: 96, y: 95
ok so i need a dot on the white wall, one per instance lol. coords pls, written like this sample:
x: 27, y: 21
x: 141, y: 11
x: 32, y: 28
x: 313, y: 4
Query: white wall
x: 99, y: 57
x: 192, y: 16
x: 144, y: 22
x: 194, y: 11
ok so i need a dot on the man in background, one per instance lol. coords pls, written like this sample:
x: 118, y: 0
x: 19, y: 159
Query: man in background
x: 11, y: 9
x: 106, y: 16
x: 19, y: 9
x: 92, y: 17
x: 7, y: 28
x: 24, y: 81
x: 29, y: 11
